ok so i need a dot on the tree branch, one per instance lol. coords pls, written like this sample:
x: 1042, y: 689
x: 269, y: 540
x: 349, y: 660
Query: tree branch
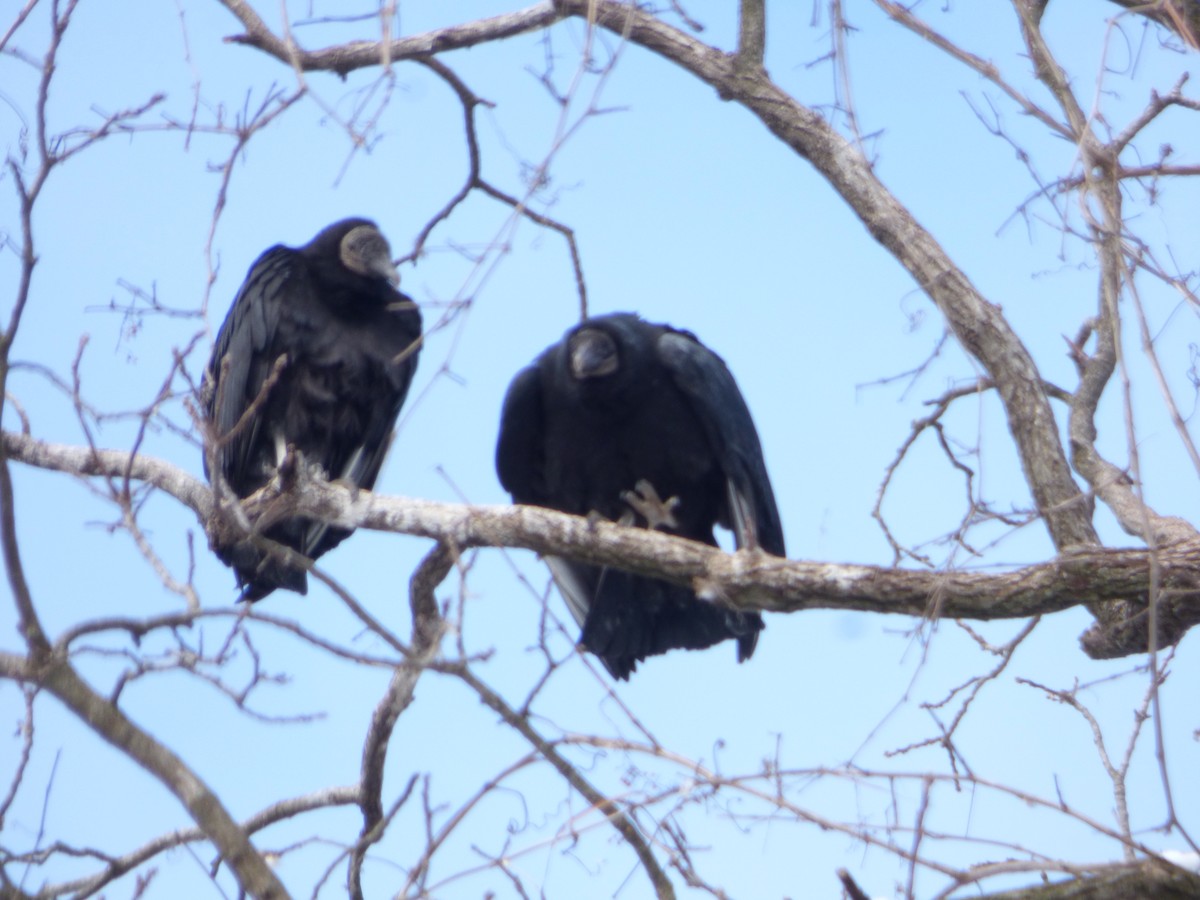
x: 1180, y: 16
x: 277, y: 812
x: 746, y: 579
x: 253, y: 873
x: 427, y: 631
x: 623, y: 823
x: 84, y: 461
x: 345, y: 58
x: 907, y: 17
x: 1148, y: 878
x: 752, y: 34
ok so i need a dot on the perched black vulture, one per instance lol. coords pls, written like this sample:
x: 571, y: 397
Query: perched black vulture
x: 639, y: 423
x: 316, y: 355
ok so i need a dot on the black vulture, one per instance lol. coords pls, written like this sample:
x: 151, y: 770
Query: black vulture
x: 316, y: 356
x: 639, y: 423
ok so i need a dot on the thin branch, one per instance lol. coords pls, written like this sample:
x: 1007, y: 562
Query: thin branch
x: 620, y: 820
x: 26, y: 731
x: 905, y: 16
x: 347, y: 57
x: 21, y: 16
x: 1158, y: 104
x: 276, y: 812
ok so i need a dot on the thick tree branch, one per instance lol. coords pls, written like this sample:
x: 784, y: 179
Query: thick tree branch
x: 84, y: 461
x: 746, y: 579
x: 1120, y: 624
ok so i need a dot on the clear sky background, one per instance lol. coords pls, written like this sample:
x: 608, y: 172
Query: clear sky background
x: 687, y: 211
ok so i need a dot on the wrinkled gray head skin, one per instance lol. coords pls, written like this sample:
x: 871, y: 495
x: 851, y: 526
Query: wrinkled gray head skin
x: 592, y: 354
x: 365, y: 251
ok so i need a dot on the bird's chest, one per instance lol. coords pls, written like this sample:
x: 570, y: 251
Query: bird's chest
x: 597, y: 451
x: 332, y: 381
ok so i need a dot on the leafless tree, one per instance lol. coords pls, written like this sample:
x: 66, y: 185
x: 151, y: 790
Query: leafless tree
x: 1077, y: 447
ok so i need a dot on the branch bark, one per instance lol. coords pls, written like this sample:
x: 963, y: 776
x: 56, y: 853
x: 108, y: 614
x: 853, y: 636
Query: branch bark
x: 746, y: 579
x: 752, y: 34
x: 428, y: 628
x: 1149, y: 878
x: 353, y: 55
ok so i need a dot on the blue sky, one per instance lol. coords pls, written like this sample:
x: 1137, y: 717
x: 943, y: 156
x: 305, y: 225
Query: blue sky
x: 687, y: 211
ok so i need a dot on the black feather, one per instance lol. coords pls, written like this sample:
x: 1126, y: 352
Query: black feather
x: 345, y: 343
x: 620, y: 401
